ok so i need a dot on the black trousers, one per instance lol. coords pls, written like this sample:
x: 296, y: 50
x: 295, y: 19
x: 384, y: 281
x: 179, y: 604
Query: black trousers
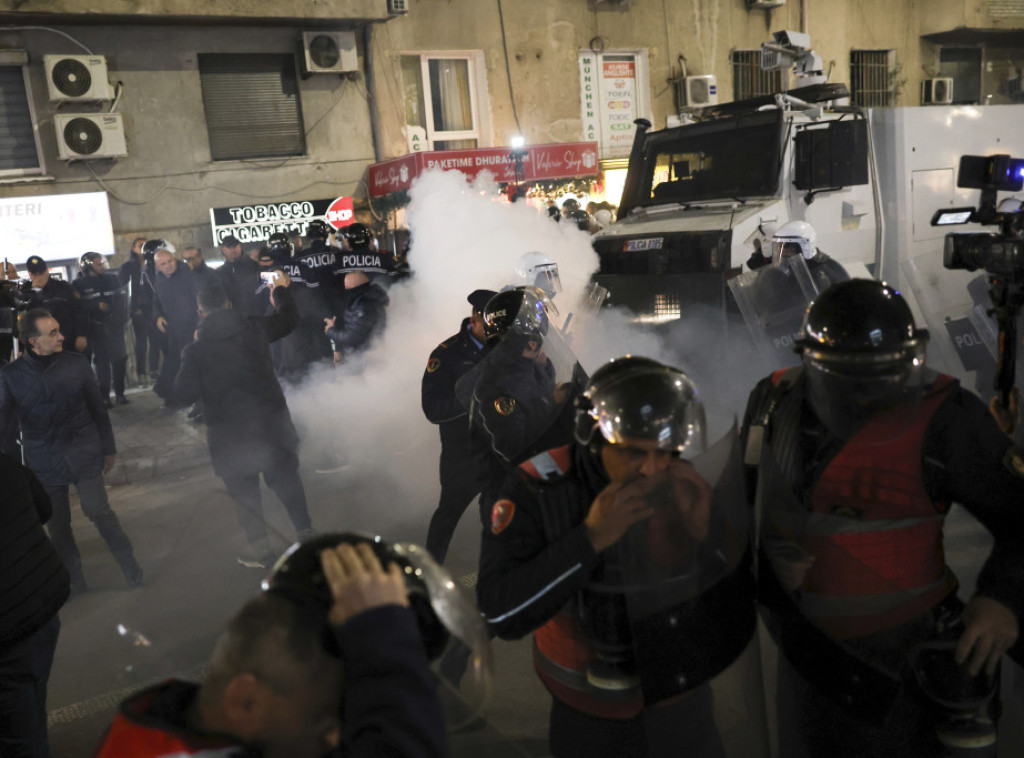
x: 461, y: 481
x: 96, y: 507
x: 24, y: 673
x: 110, y: 359
x: 284, y: 480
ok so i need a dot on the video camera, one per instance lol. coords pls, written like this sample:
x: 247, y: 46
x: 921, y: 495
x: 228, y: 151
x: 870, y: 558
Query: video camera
x: 1000, y: 254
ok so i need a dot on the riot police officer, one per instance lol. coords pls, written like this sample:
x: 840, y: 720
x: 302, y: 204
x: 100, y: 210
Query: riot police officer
x: 800, y: 238
x: 322, y: 259
x: 462, y: 470
x: 628, y: 559
x: 858, y: 454
x: 306, y: 344
x: 62, y: 300
x: 106, y: 299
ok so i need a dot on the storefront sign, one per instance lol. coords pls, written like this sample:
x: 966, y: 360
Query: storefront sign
x: 558, y: 161
x: 610, y: 99
x: 57, y: 227
x: 340, y: 213
x: 255, y: 223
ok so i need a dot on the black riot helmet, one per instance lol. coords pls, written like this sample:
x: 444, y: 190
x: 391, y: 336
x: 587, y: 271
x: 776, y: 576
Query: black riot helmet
x: 281, y: 245
x: 521, y: 310
x: 581, y: 218
x: 633, y: 397
x: 358, y: 236
x: 318, y: 229
x: 861, y: 351
x: 152, y: 247
x: 92, y: 263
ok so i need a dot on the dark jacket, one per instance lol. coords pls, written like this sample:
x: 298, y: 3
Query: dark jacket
x: 65, y: 428
x: 33, y: 581
x: 140, y: 286
x: 64, y: 303
x: 362, y: 319
x: 391, y: 707
x: 307, y: 343
x: 176, y: 302
x: 105, y: 289
x: 241, y: 279
x: 448, y: 362
x: 229, y: 367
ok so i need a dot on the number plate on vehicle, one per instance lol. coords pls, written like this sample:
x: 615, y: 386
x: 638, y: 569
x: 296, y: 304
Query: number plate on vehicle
x: 651, y: 243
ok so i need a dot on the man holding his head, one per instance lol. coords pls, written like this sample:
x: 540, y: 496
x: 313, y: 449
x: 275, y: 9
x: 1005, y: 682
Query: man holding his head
x: 362, y: 318
x: 274, y: 689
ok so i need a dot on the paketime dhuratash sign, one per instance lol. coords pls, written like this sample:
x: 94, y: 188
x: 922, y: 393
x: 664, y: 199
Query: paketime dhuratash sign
x: 255, y: 223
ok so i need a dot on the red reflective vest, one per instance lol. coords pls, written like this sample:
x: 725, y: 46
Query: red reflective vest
x: 875, y: 533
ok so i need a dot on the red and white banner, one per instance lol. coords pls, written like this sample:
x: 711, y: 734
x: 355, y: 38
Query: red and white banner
x: 558, y: 161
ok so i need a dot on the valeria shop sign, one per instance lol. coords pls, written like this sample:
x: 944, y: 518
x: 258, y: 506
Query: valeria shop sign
x: 540, y: 162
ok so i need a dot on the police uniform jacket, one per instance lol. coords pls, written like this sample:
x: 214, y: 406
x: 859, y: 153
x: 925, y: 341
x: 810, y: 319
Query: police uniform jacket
x: 65, y: 428
x: 229, y: 367
x: 447, y: 363
x: 64, y: 303
x: 108, y: 290
x: 33, y: 581
x: 535, y: 553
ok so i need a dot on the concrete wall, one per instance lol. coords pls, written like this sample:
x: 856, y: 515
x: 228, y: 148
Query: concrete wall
x: 168, y: 183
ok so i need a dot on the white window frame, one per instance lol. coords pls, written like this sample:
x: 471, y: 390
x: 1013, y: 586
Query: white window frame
x: 475, y: 62
x: 19, y: 58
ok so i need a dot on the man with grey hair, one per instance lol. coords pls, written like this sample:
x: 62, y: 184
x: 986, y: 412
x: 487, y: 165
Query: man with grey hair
x: 66, y: 438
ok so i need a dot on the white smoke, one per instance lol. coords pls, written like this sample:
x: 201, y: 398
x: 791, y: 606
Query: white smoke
x: 465, y: 236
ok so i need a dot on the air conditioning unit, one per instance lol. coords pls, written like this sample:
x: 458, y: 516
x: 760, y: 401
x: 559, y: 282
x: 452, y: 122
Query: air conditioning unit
x: 329, y: 53
x: 764, y: 4
x: 76, y: 78
x: 398, y: 7
x: 701, y: 91
x: 89, y: 136
x: 937, y: 91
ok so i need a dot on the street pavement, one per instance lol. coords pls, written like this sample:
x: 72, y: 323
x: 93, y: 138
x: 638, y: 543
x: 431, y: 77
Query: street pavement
x: 115, y: 640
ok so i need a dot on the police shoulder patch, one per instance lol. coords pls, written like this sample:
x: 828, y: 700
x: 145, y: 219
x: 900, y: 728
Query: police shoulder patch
x: 433, y: 365
x: 505, y: 405
x: 1014, y: 461
x: 501, y: 515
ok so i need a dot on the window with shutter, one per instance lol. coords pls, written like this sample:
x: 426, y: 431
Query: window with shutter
x: 252, y: 106
x: 19, y: 141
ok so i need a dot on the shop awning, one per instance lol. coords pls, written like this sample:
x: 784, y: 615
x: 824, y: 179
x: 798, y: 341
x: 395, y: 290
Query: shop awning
x: 540, y: 162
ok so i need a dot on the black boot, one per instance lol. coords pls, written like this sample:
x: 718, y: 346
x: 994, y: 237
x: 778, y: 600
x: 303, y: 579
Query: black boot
x: 131, y: 569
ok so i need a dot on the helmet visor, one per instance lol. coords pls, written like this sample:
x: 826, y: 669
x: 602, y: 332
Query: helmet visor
x: 845, y: 390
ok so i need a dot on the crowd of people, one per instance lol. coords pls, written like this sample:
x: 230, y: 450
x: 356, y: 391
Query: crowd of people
x: 637, y: 554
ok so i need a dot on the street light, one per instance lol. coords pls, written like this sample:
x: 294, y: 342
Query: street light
x: 517, y: 156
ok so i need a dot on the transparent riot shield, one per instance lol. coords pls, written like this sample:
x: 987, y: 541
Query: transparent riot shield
x: 864, y: 647
x: 954, y: 304
x: 520, y: 396
x: 772, y: 301
x: 671, y: 612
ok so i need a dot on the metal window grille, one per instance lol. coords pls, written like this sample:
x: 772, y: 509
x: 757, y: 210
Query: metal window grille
x: 749, y: 80
x: 252, y: 106
x: 873, y: 78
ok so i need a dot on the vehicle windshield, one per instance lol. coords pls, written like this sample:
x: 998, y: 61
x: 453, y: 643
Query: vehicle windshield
x: 735, y: 158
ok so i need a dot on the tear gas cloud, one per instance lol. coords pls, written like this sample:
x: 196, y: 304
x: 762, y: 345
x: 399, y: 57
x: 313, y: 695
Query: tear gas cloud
x: 466, y: 237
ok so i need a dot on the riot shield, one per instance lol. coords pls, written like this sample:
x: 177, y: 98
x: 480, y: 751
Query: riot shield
x: 772, y: 301
x: 864, y: 644
x: 671, y: 612
x: 520, y: 396
x: 954, y: 305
